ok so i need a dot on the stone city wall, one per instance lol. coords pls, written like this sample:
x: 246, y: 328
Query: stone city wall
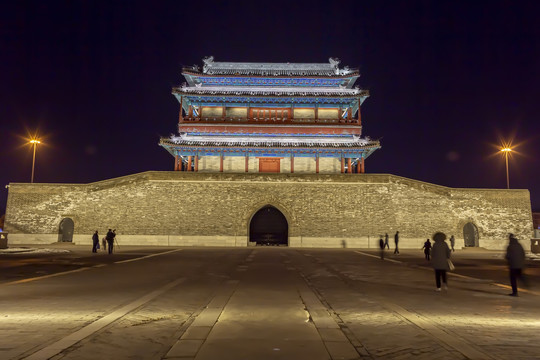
x: 214, y: 209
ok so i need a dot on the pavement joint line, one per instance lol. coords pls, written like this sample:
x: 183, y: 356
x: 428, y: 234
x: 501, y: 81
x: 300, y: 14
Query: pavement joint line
x: 313, y: 302
x: 450, y: 273
x: 462, y: 346
x: 81, y: 269
x: 147, y: 256
x: 455, y: 341
x: 378, y: 257
x: 70, y: 340
x: 489, y: 282
x: 45, y: 276
x: 214, y: 308
x: 520, y: 289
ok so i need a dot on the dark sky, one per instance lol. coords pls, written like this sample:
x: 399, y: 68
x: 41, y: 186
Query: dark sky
x: 448, y: 80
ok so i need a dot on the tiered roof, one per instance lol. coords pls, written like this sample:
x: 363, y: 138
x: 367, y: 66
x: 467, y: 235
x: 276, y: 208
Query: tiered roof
x: 268, y: 85
x: 235, y: 83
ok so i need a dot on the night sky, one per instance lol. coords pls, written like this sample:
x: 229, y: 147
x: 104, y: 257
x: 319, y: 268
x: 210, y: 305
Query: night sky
x: 448, y: 81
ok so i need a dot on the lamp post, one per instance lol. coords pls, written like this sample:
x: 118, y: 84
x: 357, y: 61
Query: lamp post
x: 34, y: 142
x: 507, y: 150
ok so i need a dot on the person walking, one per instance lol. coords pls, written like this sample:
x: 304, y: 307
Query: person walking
x: 396, y: 241
x: 110, y: 240
x: 515, y: 255
x: 381, y: 245
x: 452, y: 242
x: 427, y: 249
x: 95, y: 242
x: 386, y: 241
x: 104, y: 243
x: 440, y: 254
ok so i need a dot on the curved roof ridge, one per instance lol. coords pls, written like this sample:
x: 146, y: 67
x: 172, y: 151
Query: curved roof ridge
x: 221, y: 67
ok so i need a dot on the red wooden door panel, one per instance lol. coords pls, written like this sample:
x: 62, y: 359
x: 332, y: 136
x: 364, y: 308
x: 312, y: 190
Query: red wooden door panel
x: 269, y: 165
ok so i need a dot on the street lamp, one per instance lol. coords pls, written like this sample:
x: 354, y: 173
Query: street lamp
x: 34, y: 142
x: 506, y: 151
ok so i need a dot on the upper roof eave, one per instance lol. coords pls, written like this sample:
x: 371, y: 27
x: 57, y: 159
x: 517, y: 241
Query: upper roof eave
x: 288, y: 74
x: 330, y: 69
x: 270, y: 91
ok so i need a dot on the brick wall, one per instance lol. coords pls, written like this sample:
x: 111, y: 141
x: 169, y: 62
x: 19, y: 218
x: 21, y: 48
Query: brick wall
x: 180, y: 208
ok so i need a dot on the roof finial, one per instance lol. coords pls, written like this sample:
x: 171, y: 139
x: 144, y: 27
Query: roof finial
x: 208, y: 62
x: 334, y: 62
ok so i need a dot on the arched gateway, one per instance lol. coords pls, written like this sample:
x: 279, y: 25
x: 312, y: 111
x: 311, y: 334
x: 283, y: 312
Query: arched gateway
x: 65, y: 230
x: 470, y: 235
x: 269, y: 227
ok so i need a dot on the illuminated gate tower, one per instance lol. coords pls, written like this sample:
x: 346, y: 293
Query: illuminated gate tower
x: 270, y: 117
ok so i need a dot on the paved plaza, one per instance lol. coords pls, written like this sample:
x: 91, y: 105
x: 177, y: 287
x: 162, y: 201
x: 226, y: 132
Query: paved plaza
x: 262, y: 303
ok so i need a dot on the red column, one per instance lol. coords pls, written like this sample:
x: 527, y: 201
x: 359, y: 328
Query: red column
x: 317, y: 164
x: 196, y: 162
x: 189, y: 163
x: 362, y: 166
x: 220, y: 162
x: 359, y: 115
x: 176, y: 163
x: 342, y: 164
x: 181, y: 117
x: 349, y: 166
x: 247, y: 163
x: 292, y: 163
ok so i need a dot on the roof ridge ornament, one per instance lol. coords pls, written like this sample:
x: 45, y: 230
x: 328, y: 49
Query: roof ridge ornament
x: 334, y: 62
x: 208, y: 63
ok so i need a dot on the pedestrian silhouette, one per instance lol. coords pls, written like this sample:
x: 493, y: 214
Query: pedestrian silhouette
x: 440, y: 254
x: 381, y: 246
x: 452, y: 242
x: 396, y: 241
x: 110, y: 239
x: 427, y: 248
x: 515, y: 255
x: 386, y: 241
x: 95, y: 242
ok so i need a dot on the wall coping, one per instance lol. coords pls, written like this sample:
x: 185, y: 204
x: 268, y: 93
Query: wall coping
x: 181, y: 176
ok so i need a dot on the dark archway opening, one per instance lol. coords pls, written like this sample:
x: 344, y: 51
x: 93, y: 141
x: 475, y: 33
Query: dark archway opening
x: 269, y: 227
x: 65, y: 230
x: 470, y: 235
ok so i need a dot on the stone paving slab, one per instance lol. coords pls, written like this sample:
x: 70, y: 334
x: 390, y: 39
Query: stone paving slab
x: 196, y: 332
x: 284, y: 304
x: 184, y: 348
x: 397, y: 304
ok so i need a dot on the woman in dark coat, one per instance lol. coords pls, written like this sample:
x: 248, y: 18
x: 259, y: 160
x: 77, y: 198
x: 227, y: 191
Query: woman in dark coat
x: 440, y: 254
x: 95, y: 242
